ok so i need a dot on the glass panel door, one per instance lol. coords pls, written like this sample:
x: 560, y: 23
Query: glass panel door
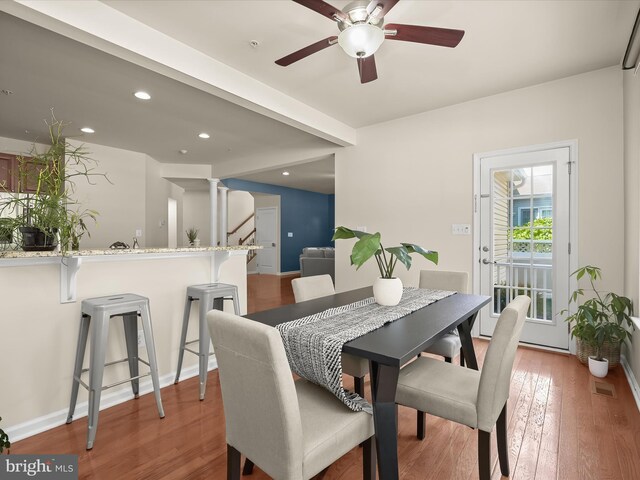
x: 524, y: 240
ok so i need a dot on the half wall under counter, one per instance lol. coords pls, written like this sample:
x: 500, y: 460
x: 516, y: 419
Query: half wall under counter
x: 38, y: 332
x: 70, y: 262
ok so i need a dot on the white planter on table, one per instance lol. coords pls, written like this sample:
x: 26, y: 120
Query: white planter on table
x: 387, y: 291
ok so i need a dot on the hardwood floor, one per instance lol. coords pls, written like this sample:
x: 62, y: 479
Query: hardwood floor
x: 557, y: 428
x: 268, y: 291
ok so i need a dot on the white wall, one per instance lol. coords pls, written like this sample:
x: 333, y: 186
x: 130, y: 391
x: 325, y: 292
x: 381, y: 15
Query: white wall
x: 239, y: 207
x: 121, y: 203
x: 136, y: 198
x: 181, y: 170
x: 157, y: 192
x: 411, y: 178
x: 196, y: 213
x: 632, y: 206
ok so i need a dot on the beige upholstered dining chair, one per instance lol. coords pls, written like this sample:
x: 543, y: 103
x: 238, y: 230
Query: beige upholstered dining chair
x: 466, y: 396
x: 308, y: 288
x: 449, y: 345
x: 291, y: 430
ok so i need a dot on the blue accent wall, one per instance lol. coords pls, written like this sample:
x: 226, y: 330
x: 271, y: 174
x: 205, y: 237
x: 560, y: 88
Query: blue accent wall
x: 309, y: 215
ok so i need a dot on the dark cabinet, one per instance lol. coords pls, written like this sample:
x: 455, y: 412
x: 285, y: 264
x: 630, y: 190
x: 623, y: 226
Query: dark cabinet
x: 9, y: 181
x: 27, y: 181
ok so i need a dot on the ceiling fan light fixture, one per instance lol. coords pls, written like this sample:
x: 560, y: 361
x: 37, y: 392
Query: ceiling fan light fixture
x: 361, y: 40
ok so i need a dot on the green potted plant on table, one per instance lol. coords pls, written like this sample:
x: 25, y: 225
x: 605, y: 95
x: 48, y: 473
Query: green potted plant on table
x: 387, y: 289
x: 75, y: 227
x: 42, y: 207
x: 600, y: 324
x: 192, y: 236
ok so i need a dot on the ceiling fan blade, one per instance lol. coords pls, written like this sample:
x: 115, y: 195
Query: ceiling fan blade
x: 385, y: 6
x: 323, y: 8
x: 443, y: 37
x: 367, y: 69
x: 306, y: 51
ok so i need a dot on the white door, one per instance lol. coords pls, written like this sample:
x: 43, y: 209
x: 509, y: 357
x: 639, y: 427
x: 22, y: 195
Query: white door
x: 524, y: 238
x: 267, y: 237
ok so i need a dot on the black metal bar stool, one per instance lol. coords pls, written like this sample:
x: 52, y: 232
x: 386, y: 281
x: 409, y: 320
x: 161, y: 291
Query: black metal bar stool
x: 97, y: 313
x: 211, y: 296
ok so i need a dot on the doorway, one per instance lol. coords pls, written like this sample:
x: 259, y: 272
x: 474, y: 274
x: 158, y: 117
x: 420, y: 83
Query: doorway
x: 172, y: 223
x: 267, y: 238
x: 524, y: 237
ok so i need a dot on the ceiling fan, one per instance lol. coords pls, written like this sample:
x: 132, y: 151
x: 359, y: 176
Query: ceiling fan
x: 362, y: 31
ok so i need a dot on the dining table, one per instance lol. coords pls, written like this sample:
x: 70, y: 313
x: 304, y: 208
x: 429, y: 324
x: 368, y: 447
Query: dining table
x: 390, y: 347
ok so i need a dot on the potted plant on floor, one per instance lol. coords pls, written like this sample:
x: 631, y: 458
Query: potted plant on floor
x: 4, y: 440
x: 48, y: 215
x: 387, y: 289
x: 600, y: 324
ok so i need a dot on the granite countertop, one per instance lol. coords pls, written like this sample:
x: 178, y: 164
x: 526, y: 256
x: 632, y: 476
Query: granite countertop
x: 123, y: 251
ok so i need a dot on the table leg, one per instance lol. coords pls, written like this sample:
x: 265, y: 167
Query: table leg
x: 384, y: 381
x: 464, y: 329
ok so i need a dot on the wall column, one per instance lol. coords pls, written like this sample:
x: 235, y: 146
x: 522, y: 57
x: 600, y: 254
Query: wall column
x: 224, y: 218
x: 213, y: 199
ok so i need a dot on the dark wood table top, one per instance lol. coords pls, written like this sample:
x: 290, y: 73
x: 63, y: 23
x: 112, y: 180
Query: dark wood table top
x: 397, y: 342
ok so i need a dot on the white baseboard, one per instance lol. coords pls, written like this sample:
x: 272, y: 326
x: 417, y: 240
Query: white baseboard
x: 46, y: 422
x: 633, y: 384
x: 252, y: 272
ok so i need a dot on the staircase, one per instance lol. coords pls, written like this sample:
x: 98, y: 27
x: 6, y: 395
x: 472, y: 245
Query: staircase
x: 249, y: 239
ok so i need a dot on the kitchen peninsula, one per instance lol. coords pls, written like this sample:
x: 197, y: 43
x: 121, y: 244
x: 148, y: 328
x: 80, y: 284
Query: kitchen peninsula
x: 40, y: 295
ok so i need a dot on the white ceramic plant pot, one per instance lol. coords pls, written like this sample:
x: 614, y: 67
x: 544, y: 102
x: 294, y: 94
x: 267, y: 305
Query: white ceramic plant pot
x: 387, y: 291
x: 196, y: 243
x: 598, y: 368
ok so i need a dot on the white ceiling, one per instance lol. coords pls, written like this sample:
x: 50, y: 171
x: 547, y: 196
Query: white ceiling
x: 507, y: 45
x: 317, y: 176
x: 87, y: 87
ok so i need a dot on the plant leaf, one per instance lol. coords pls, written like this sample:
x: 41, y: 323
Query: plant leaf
x: 402, y: 254
x: 430, y: 255
x: 365, y: 248
x: 343, y: 232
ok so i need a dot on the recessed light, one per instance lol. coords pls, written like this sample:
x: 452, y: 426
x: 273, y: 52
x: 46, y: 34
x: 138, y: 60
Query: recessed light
x: 204, y: 135
x: 87, y: 130
x: 285, y: 173
x: 183, y: 151
x: 142, y: 95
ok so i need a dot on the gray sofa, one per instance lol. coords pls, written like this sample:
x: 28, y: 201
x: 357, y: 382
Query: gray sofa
x: 317, y: 261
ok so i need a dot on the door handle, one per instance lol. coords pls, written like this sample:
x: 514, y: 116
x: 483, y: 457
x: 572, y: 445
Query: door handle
x: 273, y: 244
x: 487, y: 262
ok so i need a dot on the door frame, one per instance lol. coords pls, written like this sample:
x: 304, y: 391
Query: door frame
x: 572, y: 145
